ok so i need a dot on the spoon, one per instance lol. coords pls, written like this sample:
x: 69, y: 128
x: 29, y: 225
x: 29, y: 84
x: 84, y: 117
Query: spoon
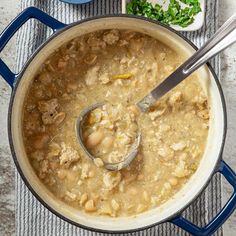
x: 223, y: 38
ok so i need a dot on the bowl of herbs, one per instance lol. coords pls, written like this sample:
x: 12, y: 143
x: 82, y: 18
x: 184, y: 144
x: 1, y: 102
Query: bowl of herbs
x: 182, y: 15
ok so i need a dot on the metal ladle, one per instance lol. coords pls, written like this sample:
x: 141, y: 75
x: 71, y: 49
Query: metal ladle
x: 222, y: 39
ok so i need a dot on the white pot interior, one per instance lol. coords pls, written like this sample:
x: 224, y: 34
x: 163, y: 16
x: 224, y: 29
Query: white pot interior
x: 194, y: 185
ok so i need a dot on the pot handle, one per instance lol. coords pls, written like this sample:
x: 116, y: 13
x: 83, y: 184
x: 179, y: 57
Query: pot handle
x: 11, y: 29
x: 221, y: 217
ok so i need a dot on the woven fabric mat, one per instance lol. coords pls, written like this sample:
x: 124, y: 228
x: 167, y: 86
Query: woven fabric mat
x: 32, y: 218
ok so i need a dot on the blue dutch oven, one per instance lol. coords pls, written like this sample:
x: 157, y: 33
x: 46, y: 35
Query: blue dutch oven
x: 171, y: 211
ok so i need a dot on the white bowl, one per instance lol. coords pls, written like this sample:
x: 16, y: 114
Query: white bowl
x: 196, y: 25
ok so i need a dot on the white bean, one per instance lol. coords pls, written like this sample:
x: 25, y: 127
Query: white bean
x: 83, y: 198
x: 98, y: 162
x: 89, y: 206
x: 94, y: 139
x: 61, y: 174
x: 173, y: 181
x: 115, y: 205
x: 141, y: 208
x: 107, y: 142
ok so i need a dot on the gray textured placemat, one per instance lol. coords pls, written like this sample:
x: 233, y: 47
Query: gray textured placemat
x: 34, y: 219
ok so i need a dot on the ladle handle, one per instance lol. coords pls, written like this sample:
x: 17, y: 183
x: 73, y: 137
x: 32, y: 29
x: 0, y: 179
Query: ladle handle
x: 222, y: 39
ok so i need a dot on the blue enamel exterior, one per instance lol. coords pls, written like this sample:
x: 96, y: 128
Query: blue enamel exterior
x: 7, y: 34
x: 223, y: 168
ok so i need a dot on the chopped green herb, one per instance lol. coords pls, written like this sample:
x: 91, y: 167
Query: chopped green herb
x: 175, y: 14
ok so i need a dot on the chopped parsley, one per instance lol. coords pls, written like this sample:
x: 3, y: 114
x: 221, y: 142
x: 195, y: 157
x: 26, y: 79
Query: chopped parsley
x: 175, y: 14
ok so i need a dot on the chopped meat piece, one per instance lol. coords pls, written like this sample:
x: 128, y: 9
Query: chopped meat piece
x: 48, y: 118
x: 200, y: 102
x: 85, y: 171
x: 141, y: 208
x: 90, y: 59
x: 68, y: 155
x: 59, y: 118
x: 181, y: 170
x: 122, y: 43
x: 62, y: 64
x: 111, y: 37
x: 115, y: 205
x: 105, y: 209
x: 91, y: 77
x: 169, y: 68
x: 157, y: 113
x: 152, y: 71
x: 111, y: 179
x: 178, y: 146
x: 175, y: 99
x: 128, y: 34
x: 204, y: 114
x: 44, y: 166
x: 45, y: 78
x: 104, y: 78
x: 54, y: 150
x: 48, y: 110
x: 124, y: 139
x: 96, y: 43
x: 114, y: 157
x: 136, y: 44
x: 164, y: 128
x: 72, y: 196
x: 32, y: 124
x: 82, y: 45
x: 48, y: 106
x: 71, y: 87
x: 165, y: 152
x: 38, y: 155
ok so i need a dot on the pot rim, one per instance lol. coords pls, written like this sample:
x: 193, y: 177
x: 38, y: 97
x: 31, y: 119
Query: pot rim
x: 14, y: 156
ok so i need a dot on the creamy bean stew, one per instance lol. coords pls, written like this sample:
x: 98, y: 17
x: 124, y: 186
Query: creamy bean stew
x: 119, y: 68
x: 109, y: 132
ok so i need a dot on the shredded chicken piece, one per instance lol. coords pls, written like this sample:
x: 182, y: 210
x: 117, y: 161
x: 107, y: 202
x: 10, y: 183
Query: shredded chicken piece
x: 111, y: 37
x: 157, y: 113
x: 91, y: 77
x: 111, y: 179
x: 104, y: 78
x: 175, y: 99
x: 48, y: 110
x: 96, y: 43
x: 181, y: 170
x: 178, y: 146
x: 85, y: 171
x: 68, y: 155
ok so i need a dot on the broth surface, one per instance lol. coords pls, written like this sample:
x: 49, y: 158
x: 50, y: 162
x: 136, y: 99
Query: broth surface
x: 120, y: 68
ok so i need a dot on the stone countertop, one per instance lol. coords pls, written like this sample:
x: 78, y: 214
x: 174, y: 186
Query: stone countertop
x: 8, y: 10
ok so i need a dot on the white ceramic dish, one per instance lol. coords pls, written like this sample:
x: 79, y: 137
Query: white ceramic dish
x: 196, y: 25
